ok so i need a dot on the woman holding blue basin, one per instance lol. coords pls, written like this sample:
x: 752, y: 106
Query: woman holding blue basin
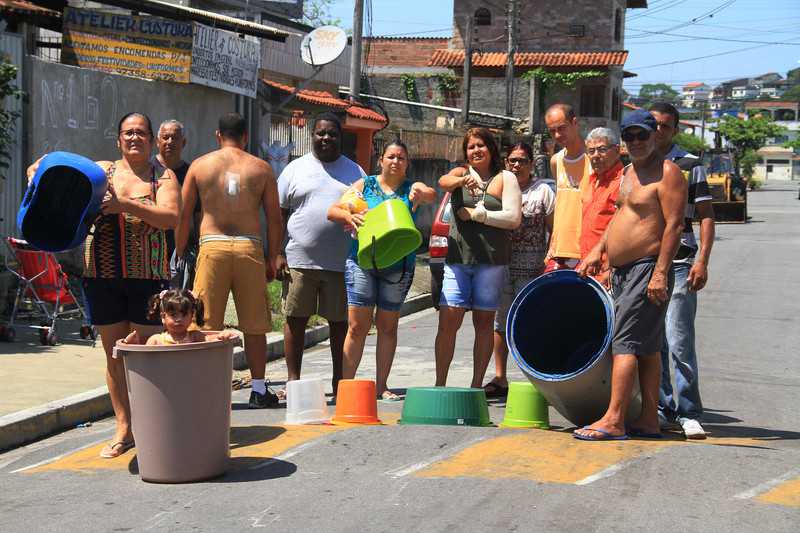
x: 486, y: 200
x: 125, y: 259
x: 367, y: 288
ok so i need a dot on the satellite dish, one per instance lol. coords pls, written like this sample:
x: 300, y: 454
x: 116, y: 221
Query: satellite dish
x: 323, y: 45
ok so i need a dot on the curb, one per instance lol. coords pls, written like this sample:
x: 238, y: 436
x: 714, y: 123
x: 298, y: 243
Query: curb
x: 319, y: 334
x: 31, y: 424
x: 28, y: 425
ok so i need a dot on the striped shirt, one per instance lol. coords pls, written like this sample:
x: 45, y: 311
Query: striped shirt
x: 695, y: 173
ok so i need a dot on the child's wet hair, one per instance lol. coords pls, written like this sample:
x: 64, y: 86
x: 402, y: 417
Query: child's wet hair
x: 175, y: 301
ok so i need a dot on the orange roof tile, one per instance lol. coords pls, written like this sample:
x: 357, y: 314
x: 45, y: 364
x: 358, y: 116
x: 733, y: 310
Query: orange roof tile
x: 693, y: 85
x: 325, y: 98
x: 455, y: 58
x: 28, y: 8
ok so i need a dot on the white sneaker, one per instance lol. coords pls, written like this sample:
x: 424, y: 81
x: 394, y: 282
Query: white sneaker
x: 692, y: 428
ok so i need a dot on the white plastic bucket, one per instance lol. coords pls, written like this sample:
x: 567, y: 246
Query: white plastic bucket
x: 305, y: 402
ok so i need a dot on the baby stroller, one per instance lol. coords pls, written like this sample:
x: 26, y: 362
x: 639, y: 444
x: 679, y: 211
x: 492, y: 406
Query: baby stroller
x: 46, y: 286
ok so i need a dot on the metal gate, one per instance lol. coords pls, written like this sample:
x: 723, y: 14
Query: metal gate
x: 13, y: 187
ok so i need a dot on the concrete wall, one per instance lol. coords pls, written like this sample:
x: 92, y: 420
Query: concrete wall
x: 78, y: 110
x: 543, y: 24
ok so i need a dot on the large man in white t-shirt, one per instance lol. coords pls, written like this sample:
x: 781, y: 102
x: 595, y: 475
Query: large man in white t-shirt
x: 312, y: 266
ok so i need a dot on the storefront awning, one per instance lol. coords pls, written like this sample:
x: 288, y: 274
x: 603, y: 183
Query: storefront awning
x: 177, y: 12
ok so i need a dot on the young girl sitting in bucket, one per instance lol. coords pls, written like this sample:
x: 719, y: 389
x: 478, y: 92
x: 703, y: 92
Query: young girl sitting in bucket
x: 177, y: 308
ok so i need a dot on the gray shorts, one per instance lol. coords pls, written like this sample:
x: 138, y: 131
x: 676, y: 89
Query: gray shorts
x: 638, y: 322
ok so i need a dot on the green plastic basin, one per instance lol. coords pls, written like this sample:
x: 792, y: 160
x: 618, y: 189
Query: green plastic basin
x: 445, y: 406
x: 387, y: 235
x: 525, y: 407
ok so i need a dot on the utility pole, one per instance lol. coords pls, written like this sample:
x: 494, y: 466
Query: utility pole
x: 512, y: 49
x: 467, y: 70
x: 703, y: 125
x: 355, y: 50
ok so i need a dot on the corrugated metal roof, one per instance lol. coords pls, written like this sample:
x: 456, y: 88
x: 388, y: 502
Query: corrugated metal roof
x: 27, y: 8
x: 455, y: 58
x: 325, y: 98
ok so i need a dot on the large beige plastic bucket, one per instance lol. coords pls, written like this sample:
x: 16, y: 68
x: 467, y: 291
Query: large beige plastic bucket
x: 180, y: 408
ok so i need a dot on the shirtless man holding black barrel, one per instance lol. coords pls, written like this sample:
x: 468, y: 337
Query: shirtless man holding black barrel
x: 641, y: 242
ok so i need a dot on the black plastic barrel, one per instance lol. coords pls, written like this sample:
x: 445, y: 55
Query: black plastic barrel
x: 559, y: 331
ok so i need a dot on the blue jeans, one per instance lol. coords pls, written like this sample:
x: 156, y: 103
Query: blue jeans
x: 679, y: 346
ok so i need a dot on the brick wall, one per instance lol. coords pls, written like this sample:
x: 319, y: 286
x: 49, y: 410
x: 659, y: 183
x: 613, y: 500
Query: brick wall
x: 544, y: 24
x: 404, y: 52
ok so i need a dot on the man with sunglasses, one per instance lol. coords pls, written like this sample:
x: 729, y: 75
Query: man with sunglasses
x: 691, y: 274
x: 641, y: 242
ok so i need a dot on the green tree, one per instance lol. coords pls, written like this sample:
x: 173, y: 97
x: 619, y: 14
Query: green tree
x: 747, y: 135
x: 792, y: 94
x: 653, y: 92
x: 794, y: 75
x: 8, y: 73
x: 690, y: 143
x: 318, y: 13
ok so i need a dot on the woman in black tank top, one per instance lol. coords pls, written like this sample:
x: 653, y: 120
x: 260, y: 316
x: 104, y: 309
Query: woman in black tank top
x: 486, y: 200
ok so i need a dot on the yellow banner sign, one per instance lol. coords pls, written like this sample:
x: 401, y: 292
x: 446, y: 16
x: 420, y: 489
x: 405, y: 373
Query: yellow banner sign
x: 143, y: 47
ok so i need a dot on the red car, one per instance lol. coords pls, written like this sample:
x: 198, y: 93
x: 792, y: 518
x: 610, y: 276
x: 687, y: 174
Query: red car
x: 437, y: 246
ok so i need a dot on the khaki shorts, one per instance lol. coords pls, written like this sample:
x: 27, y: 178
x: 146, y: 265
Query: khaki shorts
x: 308, y: 292
x: 233, y: 264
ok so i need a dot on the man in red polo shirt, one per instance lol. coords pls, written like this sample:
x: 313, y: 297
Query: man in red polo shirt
x: 599, y: 192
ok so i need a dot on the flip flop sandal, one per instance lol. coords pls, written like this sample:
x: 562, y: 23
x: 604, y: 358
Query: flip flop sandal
x: 389, y: 396
x: 604, y: 435
x: 493, y: 390
x: 114, y: 450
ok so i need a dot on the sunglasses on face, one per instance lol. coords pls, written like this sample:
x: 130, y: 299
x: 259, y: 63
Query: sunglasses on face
x: 518, y: 160
x: 630, y: 136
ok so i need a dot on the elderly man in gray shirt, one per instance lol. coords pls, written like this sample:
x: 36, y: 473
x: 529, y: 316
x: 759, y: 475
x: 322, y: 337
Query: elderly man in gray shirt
x: 312, y: 267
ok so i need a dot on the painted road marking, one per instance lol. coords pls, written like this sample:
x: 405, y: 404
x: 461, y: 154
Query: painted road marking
x: 415, y: 467
x: 786, y: 494
x: 554, y: 457
x: 544, y: 456
x: 782, y: 490
x: 253, y: 443
x: 250, y: 442
x: 59, y: 456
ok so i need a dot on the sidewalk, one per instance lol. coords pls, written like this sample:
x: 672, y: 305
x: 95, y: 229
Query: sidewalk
x: 49, y: 388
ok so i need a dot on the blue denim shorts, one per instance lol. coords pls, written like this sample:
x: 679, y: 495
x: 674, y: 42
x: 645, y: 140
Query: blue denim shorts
x: 475, y: 287
x: 367, y: 288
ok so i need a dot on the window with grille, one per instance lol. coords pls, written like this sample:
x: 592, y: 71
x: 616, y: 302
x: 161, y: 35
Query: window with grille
x: 483, y: 17
x: 593, y: 98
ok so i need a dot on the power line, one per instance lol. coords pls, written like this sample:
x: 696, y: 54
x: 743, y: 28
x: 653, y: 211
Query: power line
x: 722, y: 39
x: 707, y: 14
x: 688, y: 60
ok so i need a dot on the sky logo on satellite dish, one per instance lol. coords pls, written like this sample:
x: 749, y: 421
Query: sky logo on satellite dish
x: 323, y: 45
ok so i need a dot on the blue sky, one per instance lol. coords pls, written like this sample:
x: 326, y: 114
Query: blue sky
x: 760, y: 21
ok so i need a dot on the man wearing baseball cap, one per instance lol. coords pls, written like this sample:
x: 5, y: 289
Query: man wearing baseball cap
x: 641, y: 242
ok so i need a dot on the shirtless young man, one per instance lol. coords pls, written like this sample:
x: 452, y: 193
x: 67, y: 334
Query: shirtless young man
x: 641, y: 241
x: 233, y: 186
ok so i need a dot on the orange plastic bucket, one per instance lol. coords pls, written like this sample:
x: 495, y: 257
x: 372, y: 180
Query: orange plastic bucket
x: 356, y: 402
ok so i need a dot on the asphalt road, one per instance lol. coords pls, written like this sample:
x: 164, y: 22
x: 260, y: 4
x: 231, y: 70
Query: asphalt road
x: 431, y: 478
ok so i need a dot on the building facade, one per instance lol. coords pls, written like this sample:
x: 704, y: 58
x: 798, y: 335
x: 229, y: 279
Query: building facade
x: 588, y: 37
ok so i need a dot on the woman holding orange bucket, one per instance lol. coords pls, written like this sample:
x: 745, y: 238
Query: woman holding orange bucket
x: 487, y: 201
x: 368, y: 288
